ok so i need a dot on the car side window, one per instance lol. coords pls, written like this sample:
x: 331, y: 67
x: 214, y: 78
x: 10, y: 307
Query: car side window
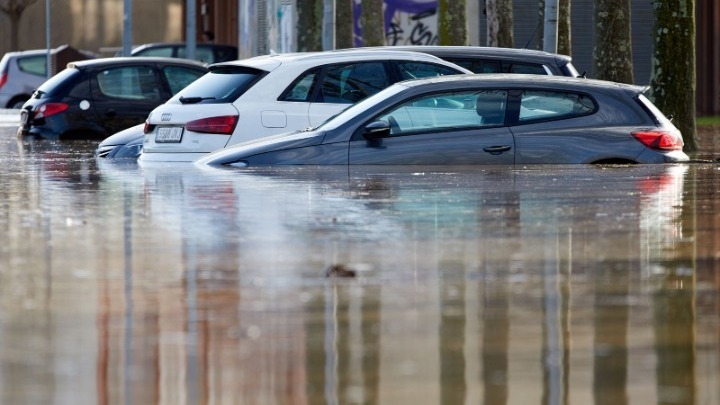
x: 479, y: 66
x: 163, y: 51
x: 129, y: 82
x: 179, y: 77
x: 448, y: 111
x: 416, y: 70
x: 301, y: 88
x: 36, y: 65
x: 524, y: 68
x: 540, y: 105
x: 352, y: 83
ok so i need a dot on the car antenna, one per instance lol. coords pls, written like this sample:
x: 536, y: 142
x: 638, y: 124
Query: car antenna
x: 273, y: 53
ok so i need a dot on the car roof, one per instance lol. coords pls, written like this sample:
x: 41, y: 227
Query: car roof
x: 163, y: 44
x: 268, y: 62
x: 31, y: 52
x: 121, y: 60
x: 510, y: 80
x: 485, y: 51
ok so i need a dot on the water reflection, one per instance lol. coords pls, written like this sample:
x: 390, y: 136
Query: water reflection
x: 167, y: 284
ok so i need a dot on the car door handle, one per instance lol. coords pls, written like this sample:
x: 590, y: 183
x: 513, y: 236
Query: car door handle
x: 496, y: 150
x: 110, y: 113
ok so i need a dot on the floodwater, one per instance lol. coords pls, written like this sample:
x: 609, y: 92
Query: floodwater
x: 168, y: 284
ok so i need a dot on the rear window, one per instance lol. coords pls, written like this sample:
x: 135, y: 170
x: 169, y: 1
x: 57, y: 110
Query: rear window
x: 221, y: 85
x: 65, y: 78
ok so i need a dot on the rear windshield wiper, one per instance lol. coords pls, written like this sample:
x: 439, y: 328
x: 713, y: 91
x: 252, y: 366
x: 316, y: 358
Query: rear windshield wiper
x: 194, y: 100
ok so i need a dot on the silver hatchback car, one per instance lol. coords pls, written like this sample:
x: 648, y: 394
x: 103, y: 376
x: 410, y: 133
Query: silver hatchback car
x: 500, y: 119
x: 20, y: 74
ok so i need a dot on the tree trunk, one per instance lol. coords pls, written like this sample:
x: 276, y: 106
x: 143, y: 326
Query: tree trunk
x: 452, y: 26
x: 344, y: 24
x: 672, y: 80
x: 14, y: 9
x: 309, y: 25
x: 564, y: 46
x: 373, y: 23
x: 613, y: 46
x: 499, y: 23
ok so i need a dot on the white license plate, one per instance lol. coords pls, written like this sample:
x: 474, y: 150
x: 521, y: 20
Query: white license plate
x: 23, y: 117
x: 169, y: 134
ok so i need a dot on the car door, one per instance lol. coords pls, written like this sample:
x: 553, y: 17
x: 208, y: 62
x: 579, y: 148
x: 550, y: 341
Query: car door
x: 123, y: 96
x: 451, y: 128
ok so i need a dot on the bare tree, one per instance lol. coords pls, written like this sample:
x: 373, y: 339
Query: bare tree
x: 673, y: 79
x: 344, y: 23
x: 499, y: 23
x: 309, y: 25
x: 373, y: 23
x: 613, y: 45
x: 14, y: 9
x: 452, y: 26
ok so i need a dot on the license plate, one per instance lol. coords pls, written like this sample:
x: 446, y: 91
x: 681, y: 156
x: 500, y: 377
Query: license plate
x: 169, y: 134
x: 23, y: 117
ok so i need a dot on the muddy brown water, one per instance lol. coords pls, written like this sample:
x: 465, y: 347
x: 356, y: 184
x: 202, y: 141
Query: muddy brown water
x: 127, y: 283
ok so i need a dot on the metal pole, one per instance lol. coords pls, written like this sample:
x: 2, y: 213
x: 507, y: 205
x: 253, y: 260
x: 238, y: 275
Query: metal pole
x: 190, y: 29
x: 550, y: 30
x: 47, y: 39
x: 328, y: 30
x: 127, y: 28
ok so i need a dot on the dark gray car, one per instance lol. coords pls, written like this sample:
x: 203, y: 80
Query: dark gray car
x: 480, y: 119
x: 485, y: 59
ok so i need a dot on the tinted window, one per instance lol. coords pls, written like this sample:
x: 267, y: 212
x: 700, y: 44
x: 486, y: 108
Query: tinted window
x: 478, y: 66
x: 165, y: 51
x: 66, y: 77
x: 36, y: 65
x: 301, y: 89
x: 448, y: 111
x: 352, y: 83
x: 416, y: 70
x: 129, y: 82
x: 179, y: 77
x: 538, y: 105
x: 523, y: 68
x: 222, y: 85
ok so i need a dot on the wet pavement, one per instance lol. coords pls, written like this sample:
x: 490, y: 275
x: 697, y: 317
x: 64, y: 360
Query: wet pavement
x: 136, y: 284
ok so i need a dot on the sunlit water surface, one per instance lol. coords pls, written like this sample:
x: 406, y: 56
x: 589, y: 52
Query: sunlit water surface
x: 135, y: 284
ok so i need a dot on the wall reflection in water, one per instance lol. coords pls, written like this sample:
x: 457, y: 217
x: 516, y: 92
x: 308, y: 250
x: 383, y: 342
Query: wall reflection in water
x: 546, y: 285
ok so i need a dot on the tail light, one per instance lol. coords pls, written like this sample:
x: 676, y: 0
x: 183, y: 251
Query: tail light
x: 659, y: 140
x: 49, y: 109
x: 3, y: 79
x: 147, y: 128
x: 224, y: 125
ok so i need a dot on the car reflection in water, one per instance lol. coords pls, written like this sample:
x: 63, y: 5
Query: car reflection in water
x: 512, y: 278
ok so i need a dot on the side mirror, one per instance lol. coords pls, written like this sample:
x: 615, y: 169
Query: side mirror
x: 376, y: 130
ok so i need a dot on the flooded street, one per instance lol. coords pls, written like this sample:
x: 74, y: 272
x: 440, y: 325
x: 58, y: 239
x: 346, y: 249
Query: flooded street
x: 170, y: 284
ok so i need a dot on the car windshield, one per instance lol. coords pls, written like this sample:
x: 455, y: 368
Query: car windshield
x: 221, y: 85
x: 56, y: 82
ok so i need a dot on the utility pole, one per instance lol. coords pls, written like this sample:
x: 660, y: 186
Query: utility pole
x: 47, y: 39
x: 127, y: 27
x: 551, y: 26
x: 328, y: 30
x: 190, y: 29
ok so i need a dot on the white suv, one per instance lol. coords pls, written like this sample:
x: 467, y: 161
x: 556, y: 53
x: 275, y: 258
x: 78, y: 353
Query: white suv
x: 266, y: 95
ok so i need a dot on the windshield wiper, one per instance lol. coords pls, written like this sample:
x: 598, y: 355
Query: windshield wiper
x: 194, y: 100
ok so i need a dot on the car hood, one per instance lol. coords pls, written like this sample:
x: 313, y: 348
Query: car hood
x: 238, y: 152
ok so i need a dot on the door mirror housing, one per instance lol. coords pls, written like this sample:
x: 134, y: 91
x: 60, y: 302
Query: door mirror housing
x: 376, y: 130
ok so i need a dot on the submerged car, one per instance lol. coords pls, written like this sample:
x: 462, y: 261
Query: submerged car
x: 488, y: 59
x: 266, y: 95
x: 479, y: 119
x: 95, y: 98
